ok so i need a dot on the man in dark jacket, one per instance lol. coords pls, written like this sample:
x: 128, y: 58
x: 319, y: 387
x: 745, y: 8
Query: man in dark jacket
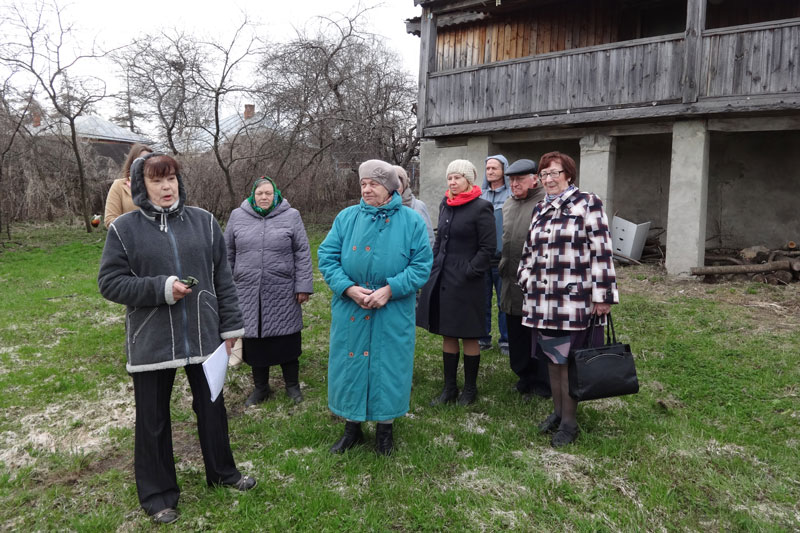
x: 517, y: 210
x: 152, y: 258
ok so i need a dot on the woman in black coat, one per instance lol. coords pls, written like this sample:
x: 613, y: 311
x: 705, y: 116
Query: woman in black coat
x: 452, y: 303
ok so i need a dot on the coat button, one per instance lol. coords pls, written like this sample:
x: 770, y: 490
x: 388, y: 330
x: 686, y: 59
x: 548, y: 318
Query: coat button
x: 366, y: 354
x: 354, y: 248
x: 387, y: 220
x: 368, y: 248
x: 366, y: 317
x: 352, y: 319
x: 351, y: 354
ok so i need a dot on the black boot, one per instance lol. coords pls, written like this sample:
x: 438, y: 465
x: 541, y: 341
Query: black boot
x: 352, y: 436
x: 290, y: 377
x: 470, y: 392
x: 383, y: 439
x: 261, y: 381
x: 450, y: 392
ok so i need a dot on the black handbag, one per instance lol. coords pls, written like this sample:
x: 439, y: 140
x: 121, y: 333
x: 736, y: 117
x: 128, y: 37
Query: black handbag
x: 602, y: 371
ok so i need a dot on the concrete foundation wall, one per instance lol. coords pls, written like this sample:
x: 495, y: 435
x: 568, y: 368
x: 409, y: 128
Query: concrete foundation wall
x: 753, y: 185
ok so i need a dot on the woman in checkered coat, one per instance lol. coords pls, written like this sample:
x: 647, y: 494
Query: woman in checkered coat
x: 566, y: 275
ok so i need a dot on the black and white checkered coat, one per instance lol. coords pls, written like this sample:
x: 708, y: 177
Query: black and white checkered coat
x: 567, y: 263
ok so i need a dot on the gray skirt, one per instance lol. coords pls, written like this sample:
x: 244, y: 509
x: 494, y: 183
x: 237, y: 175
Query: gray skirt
x: 557, y: 343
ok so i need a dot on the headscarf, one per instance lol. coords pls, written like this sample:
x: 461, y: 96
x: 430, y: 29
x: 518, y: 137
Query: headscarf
x: 408, y: 196
x: 276, y: 199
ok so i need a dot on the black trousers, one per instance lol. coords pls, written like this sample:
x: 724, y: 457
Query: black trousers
x: 532, y: 371
x: 154, y: 464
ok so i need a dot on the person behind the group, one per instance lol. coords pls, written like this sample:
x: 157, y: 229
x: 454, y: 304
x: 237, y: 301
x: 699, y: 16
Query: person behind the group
x: 271, y: 262
x: 375, y: 258
x: 525, y: 194
x: 148, y: 255
x: 496, y: 190
x: 119, y: 200
x: 409, y: 200
x: 566, y: 274
x: 452, y: 303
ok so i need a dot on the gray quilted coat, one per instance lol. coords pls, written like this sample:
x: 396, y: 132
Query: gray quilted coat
x: 271, y: 263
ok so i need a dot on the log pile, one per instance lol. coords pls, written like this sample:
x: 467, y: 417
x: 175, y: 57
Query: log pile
x: 757, y: 263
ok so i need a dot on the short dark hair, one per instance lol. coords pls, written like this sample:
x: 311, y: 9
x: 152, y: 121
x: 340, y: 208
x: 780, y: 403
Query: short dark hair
x: 567, y: 164
x: 161, y: 165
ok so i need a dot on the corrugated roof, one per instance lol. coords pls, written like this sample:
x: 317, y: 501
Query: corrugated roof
x: 98, y: 128
x: 92, y: 127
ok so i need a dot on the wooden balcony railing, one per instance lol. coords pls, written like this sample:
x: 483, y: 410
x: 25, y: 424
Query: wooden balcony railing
x: 626, y: 80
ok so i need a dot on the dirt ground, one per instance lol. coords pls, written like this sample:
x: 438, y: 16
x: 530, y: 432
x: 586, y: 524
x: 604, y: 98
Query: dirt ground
x: 771, y: 307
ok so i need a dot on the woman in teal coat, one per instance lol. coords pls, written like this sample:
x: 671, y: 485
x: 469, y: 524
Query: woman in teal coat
x: 375, y: 258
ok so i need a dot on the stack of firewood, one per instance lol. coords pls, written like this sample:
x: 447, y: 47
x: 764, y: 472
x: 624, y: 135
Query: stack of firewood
x: 758, y: 263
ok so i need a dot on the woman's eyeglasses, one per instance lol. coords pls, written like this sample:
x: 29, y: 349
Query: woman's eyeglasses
x: 549, y: 174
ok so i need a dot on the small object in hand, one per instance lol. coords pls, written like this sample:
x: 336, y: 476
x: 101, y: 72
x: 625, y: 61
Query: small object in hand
x: 190, y: 281
x: 95, y: 221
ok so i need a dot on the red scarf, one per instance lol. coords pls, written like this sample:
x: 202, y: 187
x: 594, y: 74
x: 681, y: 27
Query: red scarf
x: 464, y: 197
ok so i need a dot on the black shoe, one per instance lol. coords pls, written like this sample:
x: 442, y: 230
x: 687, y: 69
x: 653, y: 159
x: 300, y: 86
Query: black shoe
x: 447, y: 396
x: 468, y: 396
x: 550, y: 424
x: 165, y: 516
x: 383, y: 439
x: 258, y: 395
x: 564, y: 436
x: 293, y: 392
x: 352, y: 436
x: 244, y: 484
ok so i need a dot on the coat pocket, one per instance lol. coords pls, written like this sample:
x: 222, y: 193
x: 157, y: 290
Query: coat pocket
x: 138, y: 320
x: 207, y: 322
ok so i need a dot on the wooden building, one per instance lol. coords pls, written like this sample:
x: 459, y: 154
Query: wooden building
x: 685, y: 113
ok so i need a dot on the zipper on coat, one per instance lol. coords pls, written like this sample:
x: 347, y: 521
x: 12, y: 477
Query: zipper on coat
x: 184, y: 313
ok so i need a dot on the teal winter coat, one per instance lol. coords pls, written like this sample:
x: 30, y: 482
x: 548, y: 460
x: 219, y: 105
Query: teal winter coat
x: 371, y: 355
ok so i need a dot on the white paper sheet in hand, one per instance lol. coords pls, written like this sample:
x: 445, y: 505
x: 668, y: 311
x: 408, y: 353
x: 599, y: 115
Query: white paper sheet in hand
x: 215, y: 368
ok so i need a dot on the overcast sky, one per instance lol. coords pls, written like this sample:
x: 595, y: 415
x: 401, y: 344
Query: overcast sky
x: 111, y: 24
x: 116, y: 23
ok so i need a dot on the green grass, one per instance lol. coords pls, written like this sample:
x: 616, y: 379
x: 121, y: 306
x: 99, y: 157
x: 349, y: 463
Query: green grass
x: 710, y: 443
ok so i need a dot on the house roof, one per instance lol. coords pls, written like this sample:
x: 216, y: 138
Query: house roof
x: 200, y: 140
x: 92, y: 127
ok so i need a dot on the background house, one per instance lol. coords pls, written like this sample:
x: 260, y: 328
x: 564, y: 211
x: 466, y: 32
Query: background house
x: 685, y: 113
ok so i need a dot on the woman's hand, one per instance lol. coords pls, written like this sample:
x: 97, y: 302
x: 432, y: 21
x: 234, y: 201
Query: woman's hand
x: 302, y: 297
x: 601, y: 309
x: 378, y: 299
x: 358, y: 295
x: 229, y: 345
x: 179, y: 290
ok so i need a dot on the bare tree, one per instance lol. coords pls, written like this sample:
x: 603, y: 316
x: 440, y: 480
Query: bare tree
x: 14, y: 109
x: 340, y: 90
x: 40, y: 44
x: 218, y: 84
x: 159, y: 71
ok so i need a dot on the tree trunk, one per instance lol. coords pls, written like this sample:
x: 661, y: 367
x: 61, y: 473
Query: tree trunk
x: 81, y: 176
x: 736, y: 269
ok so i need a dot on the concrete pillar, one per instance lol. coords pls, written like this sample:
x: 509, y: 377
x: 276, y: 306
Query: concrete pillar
x: 596, y: 173
x: 434, y: 156
x: 688, y: 195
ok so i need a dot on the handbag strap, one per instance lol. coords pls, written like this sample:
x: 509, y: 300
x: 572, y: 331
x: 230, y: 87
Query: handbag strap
x: 612, y: 338
x: 589, y: 340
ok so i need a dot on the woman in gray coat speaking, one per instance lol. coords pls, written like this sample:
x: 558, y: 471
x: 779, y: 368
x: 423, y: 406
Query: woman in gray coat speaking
x: 271, y: 261
x: 166, y: 263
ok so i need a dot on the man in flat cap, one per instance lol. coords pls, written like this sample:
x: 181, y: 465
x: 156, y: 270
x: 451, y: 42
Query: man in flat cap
x: 517, y: 211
